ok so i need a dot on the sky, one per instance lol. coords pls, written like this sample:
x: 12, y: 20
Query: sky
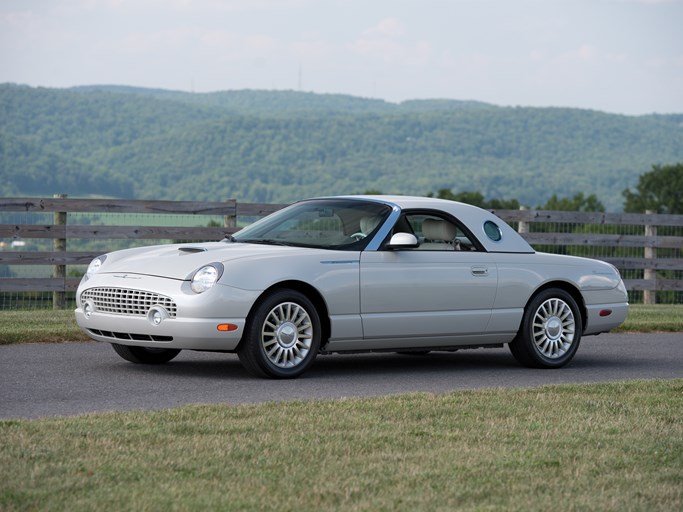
x: 618, y: 56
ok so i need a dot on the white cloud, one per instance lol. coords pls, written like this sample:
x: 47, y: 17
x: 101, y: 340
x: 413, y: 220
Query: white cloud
x: 592, y: 52
x: 387, y: 28
x: 387, y: 41
x: 147, y: 42
x: 228, y: 41
x: 585, y: 53
x: 194, y: 6
x: 649, y: 2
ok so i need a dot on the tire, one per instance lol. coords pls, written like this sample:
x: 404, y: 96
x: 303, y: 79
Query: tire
x: 282, y: 336
x: 550, y: 332
x: 144, y: 355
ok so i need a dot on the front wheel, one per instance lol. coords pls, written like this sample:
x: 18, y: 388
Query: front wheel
x: 145, y: 355
x: 282, y: 336
x: 550, y: 332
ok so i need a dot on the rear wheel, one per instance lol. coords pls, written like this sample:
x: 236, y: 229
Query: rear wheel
x: 551, y: 330
x: 145, y: 355
x: 282, y: 337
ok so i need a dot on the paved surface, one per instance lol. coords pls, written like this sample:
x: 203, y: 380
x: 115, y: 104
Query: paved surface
x: 39, y: 380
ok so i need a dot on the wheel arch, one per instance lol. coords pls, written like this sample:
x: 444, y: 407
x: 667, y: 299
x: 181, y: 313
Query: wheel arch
x: 572, y: 290
x: 310, y: 292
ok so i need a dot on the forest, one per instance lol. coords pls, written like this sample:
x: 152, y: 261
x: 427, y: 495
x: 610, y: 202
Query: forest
x: 280, y: 146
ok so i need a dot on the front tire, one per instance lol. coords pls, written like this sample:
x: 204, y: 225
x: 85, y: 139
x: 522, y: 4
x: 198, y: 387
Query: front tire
x: 144, y: 355
x: 282, y: 337
x: 550, y: 332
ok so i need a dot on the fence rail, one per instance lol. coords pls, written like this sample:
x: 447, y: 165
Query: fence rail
x: 656, y: 259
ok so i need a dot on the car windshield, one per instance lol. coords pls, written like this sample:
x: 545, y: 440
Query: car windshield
x: 342, y: 224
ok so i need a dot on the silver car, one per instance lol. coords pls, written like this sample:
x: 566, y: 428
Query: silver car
x: 350, y: 274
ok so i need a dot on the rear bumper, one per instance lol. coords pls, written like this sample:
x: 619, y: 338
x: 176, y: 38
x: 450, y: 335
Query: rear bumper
x: 600, y: 321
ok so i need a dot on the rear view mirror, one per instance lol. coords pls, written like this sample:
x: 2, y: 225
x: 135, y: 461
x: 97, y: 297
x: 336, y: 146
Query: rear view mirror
x: 403, y: 241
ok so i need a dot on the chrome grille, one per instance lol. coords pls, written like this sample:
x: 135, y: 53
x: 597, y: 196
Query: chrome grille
x: 124, y: 301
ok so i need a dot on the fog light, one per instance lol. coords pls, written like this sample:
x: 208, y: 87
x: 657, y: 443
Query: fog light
x: 88, y: 309
x: 156, y: 315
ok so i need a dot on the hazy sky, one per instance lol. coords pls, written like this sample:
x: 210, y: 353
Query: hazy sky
x: 622, y: 56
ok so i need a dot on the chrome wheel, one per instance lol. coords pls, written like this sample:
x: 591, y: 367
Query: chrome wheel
x: 287, y: 335
x: 550, y: 332
x: 282, y: 336
x: 554, y: 326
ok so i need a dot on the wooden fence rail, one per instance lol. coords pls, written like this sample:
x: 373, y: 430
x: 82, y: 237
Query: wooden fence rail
x: 533, y: 225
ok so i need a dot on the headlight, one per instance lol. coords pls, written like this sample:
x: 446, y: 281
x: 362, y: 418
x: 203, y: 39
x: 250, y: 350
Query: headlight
x: 206, y: 277
x: 94, y: 266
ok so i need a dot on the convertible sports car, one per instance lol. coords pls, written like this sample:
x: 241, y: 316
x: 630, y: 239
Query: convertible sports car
x: 350, y: 274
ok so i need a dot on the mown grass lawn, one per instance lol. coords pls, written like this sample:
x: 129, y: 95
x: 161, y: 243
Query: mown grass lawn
x: 616, y: 446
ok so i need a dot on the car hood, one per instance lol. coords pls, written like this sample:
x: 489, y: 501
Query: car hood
x: 180, y: 261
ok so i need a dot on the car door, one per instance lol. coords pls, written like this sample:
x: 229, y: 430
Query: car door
x: 441, y: 289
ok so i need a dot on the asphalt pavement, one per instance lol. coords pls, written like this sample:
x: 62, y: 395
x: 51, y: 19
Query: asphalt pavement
x: 43, y: 380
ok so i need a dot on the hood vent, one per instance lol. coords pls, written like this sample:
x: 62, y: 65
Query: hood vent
x: 191, y: 250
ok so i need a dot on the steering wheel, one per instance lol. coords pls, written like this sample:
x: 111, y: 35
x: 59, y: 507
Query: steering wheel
x: 358, y: 236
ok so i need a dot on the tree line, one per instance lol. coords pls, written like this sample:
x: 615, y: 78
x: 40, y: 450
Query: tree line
x: 266, y: 146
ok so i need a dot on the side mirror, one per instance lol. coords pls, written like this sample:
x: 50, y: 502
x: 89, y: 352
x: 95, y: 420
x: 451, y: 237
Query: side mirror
x: 403, y: 241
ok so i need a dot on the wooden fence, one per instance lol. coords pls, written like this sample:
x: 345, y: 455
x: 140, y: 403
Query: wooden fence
x: 645, y: 244
x: 59, y: 232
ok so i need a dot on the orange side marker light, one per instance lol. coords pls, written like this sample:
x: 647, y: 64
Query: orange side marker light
x: 226, y: 327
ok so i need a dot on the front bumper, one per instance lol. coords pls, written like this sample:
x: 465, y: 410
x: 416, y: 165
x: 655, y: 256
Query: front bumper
x: 180, y: 333
x: 193, y: 325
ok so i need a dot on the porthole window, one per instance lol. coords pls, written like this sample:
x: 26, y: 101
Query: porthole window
x: 492, y: 231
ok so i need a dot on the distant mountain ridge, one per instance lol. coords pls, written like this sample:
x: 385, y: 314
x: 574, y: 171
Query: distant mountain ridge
x: 258, y: 101
x: 279, y: 146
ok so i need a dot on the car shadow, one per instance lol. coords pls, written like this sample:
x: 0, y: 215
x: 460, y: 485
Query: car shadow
x: 388, y: 363
x: 369, y: 365
x: 337, y: 365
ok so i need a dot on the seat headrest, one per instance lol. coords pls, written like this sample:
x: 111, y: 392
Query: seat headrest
x: 434, y: 229
x: 367, y: 224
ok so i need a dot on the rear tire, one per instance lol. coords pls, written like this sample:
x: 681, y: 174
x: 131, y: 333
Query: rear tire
x: 282, y: 336
x: 550, y: 332
x: 144, y: 355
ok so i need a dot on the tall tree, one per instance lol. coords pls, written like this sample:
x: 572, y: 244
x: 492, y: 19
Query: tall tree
x: 477, y: 199
x: 660, y: 190
x: 578, y: 203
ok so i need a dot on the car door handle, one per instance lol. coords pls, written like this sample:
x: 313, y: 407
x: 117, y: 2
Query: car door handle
x: 480, y: 271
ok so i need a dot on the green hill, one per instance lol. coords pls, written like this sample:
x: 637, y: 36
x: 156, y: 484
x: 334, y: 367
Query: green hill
x: 270, y: 146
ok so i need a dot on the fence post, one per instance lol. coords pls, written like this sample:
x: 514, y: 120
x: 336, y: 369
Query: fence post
x: 230, y: 221
x: 523, y: 226
x: 59, y: 271
x: 650, y: 274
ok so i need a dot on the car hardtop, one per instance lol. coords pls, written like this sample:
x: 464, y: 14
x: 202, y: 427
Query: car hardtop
x: 475, y: 219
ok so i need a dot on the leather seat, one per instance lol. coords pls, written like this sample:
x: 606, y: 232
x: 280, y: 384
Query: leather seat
x: 439, y: 235
x: 367, y: 224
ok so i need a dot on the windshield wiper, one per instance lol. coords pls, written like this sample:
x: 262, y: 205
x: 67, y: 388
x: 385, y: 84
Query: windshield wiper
x: 267, y: 241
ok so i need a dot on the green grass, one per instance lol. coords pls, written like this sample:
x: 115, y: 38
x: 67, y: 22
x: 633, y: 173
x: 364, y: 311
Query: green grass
x: 48, y: 326
x: 653, y: 318
x: 616, y: 446
x: 39, y: 326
